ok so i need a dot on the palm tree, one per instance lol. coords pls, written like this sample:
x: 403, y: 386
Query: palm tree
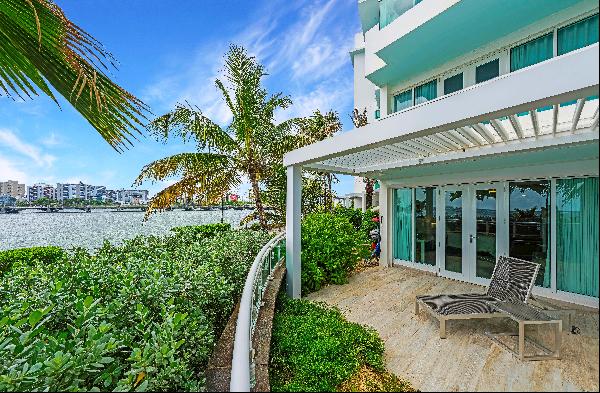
x: 248, y: 146
x: 40, y: 46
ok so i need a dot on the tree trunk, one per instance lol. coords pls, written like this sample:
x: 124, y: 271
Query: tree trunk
x: 369, y: 192
x: 258, y: 202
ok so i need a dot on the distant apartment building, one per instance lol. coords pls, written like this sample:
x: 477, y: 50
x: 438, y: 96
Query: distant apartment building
x: 79, y: 191
x: 132, y: 197
x: 40, y: 190
x: 13, y: 188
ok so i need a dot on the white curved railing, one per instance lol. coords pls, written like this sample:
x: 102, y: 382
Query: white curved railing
x: 242, y: 364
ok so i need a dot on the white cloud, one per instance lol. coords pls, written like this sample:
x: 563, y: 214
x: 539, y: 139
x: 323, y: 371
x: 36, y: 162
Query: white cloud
x: 308, y: 52
x: 51, y: 140
x: 10, y: 140
x: 8, y: 171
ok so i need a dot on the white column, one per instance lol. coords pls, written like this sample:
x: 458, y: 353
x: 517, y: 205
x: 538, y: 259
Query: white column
x: 293, y: 215
x: 363, y: 202
x: 385, y: 215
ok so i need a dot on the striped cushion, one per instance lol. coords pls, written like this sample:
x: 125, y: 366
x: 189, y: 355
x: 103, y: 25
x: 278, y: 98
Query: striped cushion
x: 512, y: 279
x: 468, y: 303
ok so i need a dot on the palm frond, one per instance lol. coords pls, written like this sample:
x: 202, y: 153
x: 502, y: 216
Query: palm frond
x: 205, y: 188
x: 185, y: 164
x: 187, y: 122
x: 40, y: 46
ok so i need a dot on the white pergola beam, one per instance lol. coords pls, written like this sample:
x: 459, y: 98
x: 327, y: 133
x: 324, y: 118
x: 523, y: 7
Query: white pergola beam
x: 469, y: 134
x: 500, y: 130
x: 577, y: 114
x: 516, y: 124
x: 450, y: 141
x: 293, y: 216
x: 482, y: 130
x: 527, y: 144
x: 554, y: 118
x: 553, y: 81
x: 535, y: 122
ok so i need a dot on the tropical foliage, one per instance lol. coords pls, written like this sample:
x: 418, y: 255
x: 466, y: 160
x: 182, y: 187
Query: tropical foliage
x: 142, y: 316
x: 314, y: 349
x: 25, y: 256
x: 331, y: 249
x: 224, y: 155
x: 40, y: 47
x: 316, y: 187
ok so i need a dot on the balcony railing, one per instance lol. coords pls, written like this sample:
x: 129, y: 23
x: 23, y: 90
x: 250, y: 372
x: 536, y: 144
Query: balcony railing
x: 389, y: 10
x: 261, y: 271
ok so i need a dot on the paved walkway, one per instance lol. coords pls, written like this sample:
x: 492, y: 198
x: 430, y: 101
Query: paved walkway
x: 467, y: 360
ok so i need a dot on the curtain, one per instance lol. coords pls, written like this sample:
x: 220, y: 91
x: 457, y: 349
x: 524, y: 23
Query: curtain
x: 403, y: 224
x: 578, y: 35
x: 426, y: 92
x: 403, y: 100
x: 577, y: 236
x: 532, y: 52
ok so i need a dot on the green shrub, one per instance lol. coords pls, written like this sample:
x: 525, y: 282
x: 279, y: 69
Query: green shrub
x: 315, y: 349
x: 143, y: 316
x: 28, y: 256
x: 362, y: 222
x: 331, y: 248
x: 202, y: 231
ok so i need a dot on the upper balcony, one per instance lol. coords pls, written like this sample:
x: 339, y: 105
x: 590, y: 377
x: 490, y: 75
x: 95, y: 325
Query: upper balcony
x: 406, y: 38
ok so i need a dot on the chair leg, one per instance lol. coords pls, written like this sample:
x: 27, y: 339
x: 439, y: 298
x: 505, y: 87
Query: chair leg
x: 442, y: 328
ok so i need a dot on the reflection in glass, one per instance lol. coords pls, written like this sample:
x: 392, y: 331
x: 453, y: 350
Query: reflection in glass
x: 453, y: 231
x: 425, y: 224
x: 529, y: 225
x: 485, y: 205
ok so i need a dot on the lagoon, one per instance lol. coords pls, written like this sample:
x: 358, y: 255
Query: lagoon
x: 89, y: 230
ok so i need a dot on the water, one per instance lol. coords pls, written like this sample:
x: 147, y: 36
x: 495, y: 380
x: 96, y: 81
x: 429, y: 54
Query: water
x: 89, y: 230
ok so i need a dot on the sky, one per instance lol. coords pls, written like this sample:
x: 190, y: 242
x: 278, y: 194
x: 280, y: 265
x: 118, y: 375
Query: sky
x: 171, y: 51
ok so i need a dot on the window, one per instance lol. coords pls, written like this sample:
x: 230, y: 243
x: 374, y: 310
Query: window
x: 403, y: 100
x: 487, y: 71
x: 529, y: 225
x: 454, y: 83
x: 577, y: 236
x: 577, y: 35
x: 426, y: 92
x: 531, y: 52
x: 403, y: 224
x: 425, y: 224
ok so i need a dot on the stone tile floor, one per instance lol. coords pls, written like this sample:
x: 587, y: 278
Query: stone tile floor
x: 467, y: 360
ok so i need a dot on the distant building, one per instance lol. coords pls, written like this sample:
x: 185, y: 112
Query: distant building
x: 12, y: 188
x: 79, y: 190
x: 132, y: 197
x: 40, y: 190
x: 7, y: 200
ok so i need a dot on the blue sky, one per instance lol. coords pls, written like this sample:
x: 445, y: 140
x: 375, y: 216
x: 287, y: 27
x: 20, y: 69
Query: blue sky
x: 171, y: 51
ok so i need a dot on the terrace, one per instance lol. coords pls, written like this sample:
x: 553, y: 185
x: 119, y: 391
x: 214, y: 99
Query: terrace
x: 467, y: 360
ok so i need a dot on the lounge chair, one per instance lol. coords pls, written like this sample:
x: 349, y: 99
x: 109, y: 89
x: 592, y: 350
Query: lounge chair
x: 512, y: 280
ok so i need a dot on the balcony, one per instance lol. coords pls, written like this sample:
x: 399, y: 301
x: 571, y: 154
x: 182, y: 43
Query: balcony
x: 416, y: 39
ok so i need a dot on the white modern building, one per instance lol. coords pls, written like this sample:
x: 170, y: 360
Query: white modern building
x: 79, y: 191
x: 132, y: 197
x: 40, y: 190
x: 483, y: 134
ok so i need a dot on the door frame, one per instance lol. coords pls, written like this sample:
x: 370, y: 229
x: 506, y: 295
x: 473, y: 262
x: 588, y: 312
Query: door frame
x: 441, y: 233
